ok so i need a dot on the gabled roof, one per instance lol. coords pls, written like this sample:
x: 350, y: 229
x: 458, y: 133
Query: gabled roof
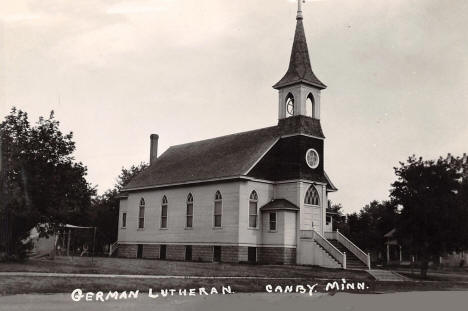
x: 279, y: 204
x: 300, y: 70
x: 221, y: 157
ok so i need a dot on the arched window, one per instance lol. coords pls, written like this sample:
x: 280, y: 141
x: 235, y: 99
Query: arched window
x: 310, y: 106
x: 312, y: 196
x: 290, y: 107
x: 141, y: 214
x: 164, y: 205
x: 218, y: 209
x: 189, y: 215
x: 253, y: 213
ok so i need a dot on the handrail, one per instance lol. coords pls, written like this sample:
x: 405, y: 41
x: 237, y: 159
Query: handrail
x: 113, y: 247
x: 359, y: 253
x: 329, y: 247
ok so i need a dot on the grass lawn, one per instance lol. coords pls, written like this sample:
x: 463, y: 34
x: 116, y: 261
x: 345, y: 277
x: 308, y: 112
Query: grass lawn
x: 305, y: 274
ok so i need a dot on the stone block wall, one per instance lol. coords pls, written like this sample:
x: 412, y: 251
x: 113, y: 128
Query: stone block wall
x: 175, y: 252
x: 202, y: 253
x: 151, y: 251
x: 230, y: 254
x: 276, y: 255
x: 127, y: 250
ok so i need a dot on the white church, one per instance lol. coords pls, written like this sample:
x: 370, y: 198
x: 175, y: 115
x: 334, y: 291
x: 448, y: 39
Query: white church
x: 258, y: 196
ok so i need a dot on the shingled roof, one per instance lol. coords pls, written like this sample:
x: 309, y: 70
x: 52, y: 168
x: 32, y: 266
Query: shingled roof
x: 300, y: 70
x: 279, y: 204
x: 225, y: 156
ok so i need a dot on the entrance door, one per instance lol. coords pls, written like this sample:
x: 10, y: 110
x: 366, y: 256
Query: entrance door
x: 140, y: 251
x: 252, y: 255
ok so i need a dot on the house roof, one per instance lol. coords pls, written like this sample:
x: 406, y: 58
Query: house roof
x: 279, y: 204
x: 300, y: 69
x: 221, y: 157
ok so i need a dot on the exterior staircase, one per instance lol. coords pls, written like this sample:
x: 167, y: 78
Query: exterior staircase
x: 352, y: 262
x: 355, y: 258
x: 329, y: 256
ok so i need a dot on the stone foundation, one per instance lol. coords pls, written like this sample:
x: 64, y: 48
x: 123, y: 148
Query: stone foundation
x: 127, y: 250
x: 150, y: 251
x: 231, y: 254
x: 202, y: 253
x: 175, y: 252
x: 276, y: 255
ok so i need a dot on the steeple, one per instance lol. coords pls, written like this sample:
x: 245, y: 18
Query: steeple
x: 299, y: 89
x: 300, y: 70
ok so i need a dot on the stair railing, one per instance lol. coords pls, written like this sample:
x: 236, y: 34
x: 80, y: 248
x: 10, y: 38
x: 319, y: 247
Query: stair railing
x: 330, y: 248
x: 113, y: 247
x: 359, y: 253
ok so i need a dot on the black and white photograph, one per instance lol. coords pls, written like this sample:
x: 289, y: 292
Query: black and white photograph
x: 234, y: 155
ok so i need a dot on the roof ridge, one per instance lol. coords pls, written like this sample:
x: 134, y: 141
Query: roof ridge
x: 224, y: 136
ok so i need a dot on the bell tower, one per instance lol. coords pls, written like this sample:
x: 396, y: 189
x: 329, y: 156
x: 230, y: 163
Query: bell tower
x: 299, y: 89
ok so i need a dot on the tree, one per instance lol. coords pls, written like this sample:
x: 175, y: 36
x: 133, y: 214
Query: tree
x: 434, y: 212
x: 41, y: 181
x: 105, y: 208
x: 368, y: 227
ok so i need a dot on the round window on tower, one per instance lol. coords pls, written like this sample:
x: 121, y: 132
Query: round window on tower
x: 312, y: 158
x: 289, y: 105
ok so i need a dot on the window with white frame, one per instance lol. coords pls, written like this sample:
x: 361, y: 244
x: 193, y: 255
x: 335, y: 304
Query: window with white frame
x: 312, y: 196
x: 164, y: 205
x: 253, y: 213
x: 189, y: 214
x: 218, y: 210
x: 141, y: 214
x: 272, y: 221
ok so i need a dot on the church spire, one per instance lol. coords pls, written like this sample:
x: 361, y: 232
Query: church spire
x: 300, y: 70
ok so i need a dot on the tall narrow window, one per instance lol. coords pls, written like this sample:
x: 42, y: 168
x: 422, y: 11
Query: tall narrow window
x: 141, y: 214
x: 124, y: 220
x: 253, y: 201
x: 310, y: 106
x: 164, y: 213
x: 189, y: 221
x: 218, y: 209
x: 289, y: 105
x: 312, y: 196
x: 273, y: 221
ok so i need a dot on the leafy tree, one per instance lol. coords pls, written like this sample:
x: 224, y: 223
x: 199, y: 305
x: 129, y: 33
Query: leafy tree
x: 369, y: 226
x: 434, y: 210
x: 105, y: 210
x: 41, y: 181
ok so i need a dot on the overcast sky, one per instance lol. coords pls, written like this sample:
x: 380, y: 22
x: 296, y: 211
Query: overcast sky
x: 116, y: 71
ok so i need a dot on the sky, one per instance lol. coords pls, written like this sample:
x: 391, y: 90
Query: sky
x: 116, y: 71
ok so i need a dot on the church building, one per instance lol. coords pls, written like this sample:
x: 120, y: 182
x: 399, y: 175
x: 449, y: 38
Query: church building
x: 258, y: 196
